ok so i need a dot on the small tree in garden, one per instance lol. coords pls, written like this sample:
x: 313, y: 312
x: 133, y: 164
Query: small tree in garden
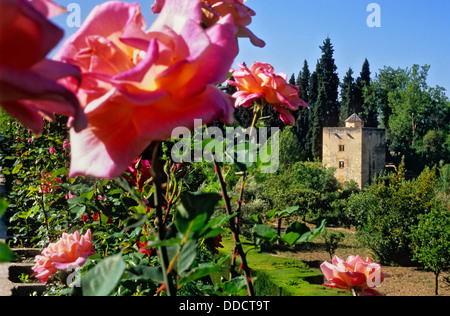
x: 431, y: 242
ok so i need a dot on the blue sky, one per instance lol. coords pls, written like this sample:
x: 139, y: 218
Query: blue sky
x: 411, y: 32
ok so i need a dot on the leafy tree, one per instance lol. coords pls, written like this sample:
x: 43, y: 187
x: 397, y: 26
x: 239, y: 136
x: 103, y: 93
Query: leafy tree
x: 409, y: 111
x: 431, y: 241
x: 289, y: 146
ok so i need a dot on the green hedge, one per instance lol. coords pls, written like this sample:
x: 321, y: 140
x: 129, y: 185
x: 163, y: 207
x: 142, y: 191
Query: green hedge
x: 278, y: 276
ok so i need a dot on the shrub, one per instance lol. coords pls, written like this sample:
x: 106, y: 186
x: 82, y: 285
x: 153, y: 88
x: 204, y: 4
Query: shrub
x: 387, y: 212
x: 305, y: 184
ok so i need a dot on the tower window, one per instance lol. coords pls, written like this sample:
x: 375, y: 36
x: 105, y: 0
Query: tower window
x: 341, y: 147
x: 341, y: 164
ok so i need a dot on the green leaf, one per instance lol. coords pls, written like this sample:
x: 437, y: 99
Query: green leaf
x: 212, y: 227
x: 271, y: 214
x: 147, y: 273
x: 3, y: 206
x: 304, y: 238
x: 199, y: 273
x: 194, y: 211
x: 76, y: 200
x: 187, y: 257
x: 104, y: 278
x: 79, y: 210
x: 265, y: 232
x: 17, y: 168
x: 297, y: 227
x: 291, y: 238
x: 288, y: 211
x: 6, y: 254
x: 318, y: 230
x: 163, y: 243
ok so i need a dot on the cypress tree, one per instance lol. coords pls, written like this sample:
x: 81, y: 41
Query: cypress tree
x: 292, y: 80
x: 348, y: 105
x: 303, y: 81
x: 303, y: 123
x: 365, y: 107
x: 313, y: 88
x: 328, y: 77
x: 365, y: 73
x: 318, y: 122
x: 323, y: 97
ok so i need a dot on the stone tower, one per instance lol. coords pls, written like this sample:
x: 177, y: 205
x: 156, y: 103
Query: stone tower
x: 357, y: 152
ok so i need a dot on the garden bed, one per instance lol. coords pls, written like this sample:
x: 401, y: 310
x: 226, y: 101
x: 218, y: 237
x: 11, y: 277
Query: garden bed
x: 281, y: 276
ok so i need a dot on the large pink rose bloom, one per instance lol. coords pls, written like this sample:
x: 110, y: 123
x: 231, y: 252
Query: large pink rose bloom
x: 71, y: 251
x: 138, y: 85
x: 259, y: 82
x: 354, y: 274
x: 28, y: 81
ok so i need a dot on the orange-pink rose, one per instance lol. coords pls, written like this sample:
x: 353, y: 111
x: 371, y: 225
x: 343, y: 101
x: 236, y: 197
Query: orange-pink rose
x: 138, y: 84
x: 214, y: 10
x: 259, y: 82
x: 354, y: 274
x: 71, y: 251
x: 28, y: 81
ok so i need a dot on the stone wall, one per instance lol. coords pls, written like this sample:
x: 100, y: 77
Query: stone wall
x: 373, y: 153
x: 356, y: 153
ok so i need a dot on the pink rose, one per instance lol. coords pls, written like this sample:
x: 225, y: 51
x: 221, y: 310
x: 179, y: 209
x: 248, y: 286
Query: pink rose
x: 49, y: 184
x: 140, y: 173
x: 52, y: 151
x: 138, y: 85
x: 259, y: 82
x: 354, y: 274
x: 28, y: 81
x: 71, y: 251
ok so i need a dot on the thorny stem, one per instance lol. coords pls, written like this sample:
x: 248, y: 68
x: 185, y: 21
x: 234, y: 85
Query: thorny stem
x: 234, y: 225
x: 256, y: 109
x: 238, y: 246
x: 45, y: 217
x: 155, y: 165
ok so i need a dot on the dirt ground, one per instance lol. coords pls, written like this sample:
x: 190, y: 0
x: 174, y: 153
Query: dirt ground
x: 404, y: 281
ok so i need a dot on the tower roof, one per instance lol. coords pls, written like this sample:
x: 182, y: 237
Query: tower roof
x: 354, y: 118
